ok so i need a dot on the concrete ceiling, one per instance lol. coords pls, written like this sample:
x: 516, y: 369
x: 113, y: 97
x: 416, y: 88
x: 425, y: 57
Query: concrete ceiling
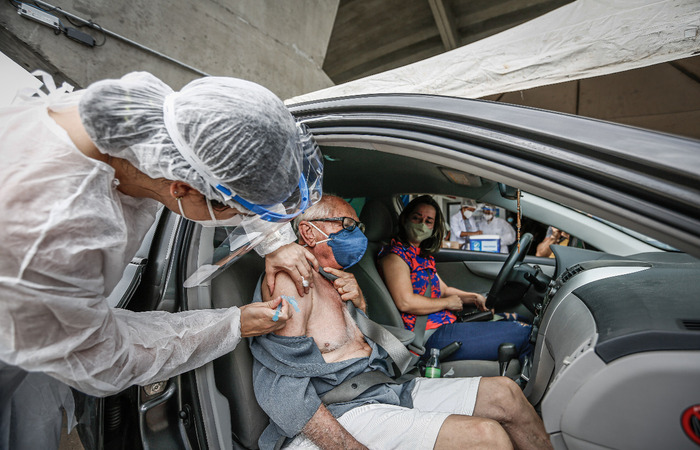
x: 372, y: 36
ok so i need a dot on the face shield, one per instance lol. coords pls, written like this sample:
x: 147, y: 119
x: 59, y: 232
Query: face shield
x: 262, y: 221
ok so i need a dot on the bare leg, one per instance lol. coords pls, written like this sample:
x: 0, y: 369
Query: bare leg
x: 500, y: 399
x: 458, y: 432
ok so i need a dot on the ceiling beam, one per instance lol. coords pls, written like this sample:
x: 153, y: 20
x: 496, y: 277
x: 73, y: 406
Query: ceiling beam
x: 444, y: 19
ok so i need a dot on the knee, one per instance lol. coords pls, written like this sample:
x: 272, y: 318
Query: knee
x: 506, y: 399
x: 472, y: 432
x: 491, y: 434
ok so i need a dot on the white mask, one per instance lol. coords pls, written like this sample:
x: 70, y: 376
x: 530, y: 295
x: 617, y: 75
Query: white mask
x: 213, y: 222
x: 488, y: 217
x: 467, y: 213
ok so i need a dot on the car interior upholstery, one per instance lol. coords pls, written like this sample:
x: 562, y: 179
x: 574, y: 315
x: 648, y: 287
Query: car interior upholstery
x: 380, y: 226
x: 235, y: 286
x: 234, y: 372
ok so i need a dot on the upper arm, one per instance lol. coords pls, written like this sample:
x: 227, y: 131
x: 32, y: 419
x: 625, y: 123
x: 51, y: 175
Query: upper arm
x: 397, y: 276
x: 454, y: 225
x: 296, y: 325
x: 509, y: 233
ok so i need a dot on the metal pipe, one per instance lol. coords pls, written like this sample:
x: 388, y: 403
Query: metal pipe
x: 122, y: 38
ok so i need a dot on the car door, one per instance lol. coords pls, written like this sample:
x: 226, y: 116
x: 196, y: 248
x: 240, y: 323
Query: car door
x: 163, y: 414
x: 412, y: 137
x: 475, y: 271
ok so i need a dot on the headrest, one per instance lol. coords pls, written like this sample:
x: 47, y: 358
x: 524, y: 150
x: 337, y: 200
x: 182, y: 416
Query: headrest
x: 379, y: 223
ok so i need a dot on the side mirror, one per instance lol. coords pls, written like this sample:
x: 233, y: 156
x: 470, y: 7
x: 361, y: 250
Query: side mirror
x: 507, y: 192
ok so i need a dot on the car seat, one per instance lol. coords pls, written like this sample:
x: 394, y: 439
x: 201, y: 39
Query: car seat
x: 233, y: 372
x: 380, y: 227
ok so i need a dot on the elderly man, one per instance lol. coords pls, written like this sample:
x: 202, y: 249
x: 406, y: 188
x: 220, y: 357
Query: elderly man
x: 321, y: 346
x: 463, y: 224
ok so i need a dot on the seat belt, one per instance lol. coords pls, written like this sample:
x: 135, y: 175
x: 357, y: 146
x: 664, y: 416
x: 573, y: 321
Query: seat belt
x: 351, y: 388
x: 397, y: 351
x: 421, y: 322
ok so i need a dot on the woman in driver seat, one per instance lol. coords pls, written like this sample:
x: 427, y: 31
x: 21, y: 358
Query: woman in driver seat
x: 408, y: 268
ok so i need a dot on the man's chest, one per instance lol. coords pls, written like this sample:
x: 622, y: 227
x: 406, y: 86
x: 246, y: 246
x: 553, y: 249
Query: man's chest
x: 331, y: 327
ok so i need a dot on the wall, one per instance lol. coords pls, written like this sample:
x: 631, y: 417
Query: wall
x: 279, y: 44
x: 663, y: 97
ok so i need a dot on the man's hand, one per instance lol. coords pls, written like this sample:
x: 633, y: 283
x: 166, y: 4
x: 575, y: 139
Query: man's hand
x: 256, y: 318
x: 556, y: 235
x: 296, y: 261
x: 559, y: 235
x: 347, y: 287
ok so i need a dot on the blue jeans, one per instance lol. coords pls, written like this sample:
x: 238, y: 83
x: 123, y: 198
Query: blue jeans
x: 480, y: 340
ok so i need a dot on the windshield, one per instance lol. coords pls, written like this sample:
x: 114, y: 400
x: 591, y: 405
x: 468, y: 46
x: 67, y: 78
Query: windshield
x: 651, y: 241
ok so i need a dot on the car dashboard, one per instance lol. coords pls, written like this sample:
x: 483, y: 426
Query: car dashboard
x: 617, y: 355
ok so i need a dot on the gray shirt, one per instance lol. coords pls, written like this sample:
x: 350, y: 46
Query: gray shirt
x: 290, y: 375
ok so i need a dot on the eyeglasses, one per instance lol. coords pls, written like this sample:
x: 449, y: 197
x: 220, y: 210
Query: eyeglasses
x: 348, y: 222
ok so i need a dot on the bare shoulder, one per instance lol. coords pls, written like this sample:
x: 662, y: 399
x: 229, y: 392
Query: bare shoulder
x: 284, y: 285
x: 297, y: 324
x: 391, y: 261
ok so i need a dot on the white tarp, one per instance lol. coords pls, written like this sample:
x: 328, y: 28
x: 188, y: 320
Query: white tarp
x: 12, y: 79
x: 583, y: 39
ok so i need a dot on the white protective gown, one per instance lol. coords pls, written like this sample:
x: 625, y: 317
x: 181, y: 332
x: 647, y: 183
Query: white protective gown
x: 501, y: 228
x: 67, y: 235
x: 458, y: 225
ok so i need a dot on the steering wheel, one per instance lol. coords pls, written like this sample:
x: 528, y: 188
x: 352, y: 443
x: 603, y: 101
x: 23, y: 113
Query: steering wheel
x: 515, y: 257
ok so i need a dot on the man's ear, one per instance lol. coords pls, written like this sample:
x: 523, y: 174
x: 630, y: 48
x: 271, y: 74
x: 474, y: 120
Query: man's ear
x: 306, y: 232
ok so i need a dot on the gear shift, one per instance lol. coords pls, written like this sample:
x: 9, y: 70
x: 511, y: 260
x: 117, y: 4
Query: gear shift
x: 506, y: 352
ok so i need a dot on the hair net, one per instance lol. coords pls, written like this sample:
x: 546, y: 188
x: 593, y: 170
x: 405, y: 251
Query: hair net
x: 467, y: 202
x: 238, y: 130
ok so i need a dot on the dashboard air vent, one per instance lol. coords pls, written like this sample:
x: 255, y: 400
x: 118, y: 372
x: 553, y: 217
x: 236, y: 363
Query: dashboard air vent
x: 691, y: 324
x: 571, y: 272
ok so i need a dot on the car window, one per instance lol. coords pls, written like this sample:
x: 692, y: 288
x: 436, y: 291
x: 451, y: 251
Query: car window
x: 498, y: 234
x: 357, y: 203
x: 651, y: 241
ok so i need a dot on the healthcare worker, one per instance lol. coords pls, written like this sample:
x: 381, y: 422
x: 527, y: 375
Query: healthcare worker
x: 83, y: 175
x: 488, y: 223
x: 463, y: 223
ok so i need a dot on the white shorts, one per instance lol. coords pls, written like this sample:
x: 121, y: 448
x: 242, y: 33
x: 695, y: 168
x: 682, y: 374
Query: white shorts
x: 393, y: 427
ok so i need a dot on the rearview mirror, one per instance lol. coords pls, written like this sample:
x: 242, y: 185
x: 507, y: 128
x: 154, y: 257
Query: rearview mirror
x: 507, y: 192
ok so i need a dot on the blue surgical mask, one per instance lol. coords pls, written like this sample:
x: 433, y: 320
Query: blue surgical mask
x: 348, y: 246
